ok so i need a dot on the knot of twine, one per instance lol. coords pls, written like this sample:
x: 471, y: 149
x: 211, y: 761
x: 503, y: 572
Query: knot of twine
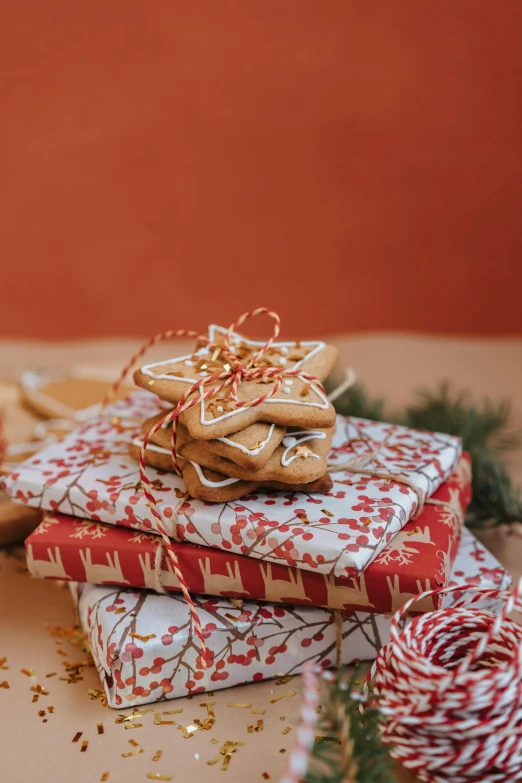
x: 233, y: 374
x: 449, y: 685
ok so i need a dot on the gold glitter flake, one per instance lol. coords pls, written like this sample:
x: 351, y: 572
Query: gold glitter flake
x: 287, y: 695
x: 50, y: 708
x: 157, y: 776
x: 28, y: 672
x: 132, y: 753
x: 282, y: 750
x: 133, y: 725
x: 4, y: 684
x: 243, y: 705
x: 305, y: 390
x: 258, y: 712
x: 99, y: 726
x: 143, y: 638
x: 35, y: 698
x: 266, y: 776
x: 284, y: 680
x: 120, y: 610
x: 85, y: 745
x: 157, y: 755
x: 173, y: 712
x: 41, y: 713
x: 104, y: 777
x: 287, y: 730
x: 159, y: 722
x: 51, y: 674
x: 77, y: 736
x: 100, y: 695
x: 133, y: 743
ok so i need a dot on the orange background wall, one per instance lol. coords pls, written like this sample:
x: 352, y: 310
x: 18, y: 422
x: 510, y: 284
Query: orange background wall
x: 354, y: 165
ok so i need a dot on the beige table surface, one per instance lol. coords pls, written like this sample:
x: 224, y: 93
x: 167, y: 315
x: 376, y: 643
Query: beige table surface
x: 40, y: 748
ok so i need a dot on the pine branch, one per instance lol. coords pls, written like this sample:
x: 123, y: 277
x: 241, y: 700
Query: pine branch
x: 368, y: 760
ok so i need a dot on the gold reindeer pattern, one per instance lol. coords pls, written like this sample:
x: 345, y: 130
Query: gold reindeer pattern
x: 219, y: 584
x: 279, y: 590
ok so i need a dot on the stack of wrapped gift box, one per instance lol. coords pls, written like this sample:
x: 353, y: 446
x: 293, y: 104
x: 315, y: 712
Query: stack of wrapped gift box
x: 282, y: 514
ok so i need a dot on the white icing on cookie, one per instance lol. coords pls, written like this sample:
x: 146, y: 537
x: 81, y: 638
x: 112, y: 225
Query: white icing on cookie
x: 208, y: 483
x: 244, y: 449
x: 297, y: 439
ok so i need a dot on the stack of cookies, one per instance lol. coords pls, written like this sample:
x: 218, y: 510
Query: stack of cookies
x: 226, y: 451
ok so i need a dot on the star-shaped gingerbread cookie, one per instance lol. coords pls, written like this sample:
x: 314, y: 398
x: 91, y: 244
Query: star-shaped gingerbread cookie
x: 298, y: 402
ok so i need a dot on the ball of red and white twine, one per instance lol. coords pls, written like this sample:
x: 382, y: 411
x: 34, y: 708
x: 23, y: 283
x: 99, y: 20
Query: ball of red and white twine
x: 449, y: 686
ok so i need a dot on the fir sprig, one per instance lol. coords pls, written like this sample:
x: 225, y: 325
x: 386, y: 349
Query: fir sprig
x: 486, y: 431
x: 348, y: 748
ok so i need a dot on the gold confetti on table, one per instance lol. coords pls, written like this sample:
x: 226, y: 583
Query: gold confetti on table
x: 133, y: 725
x: 243, y: 705
x: 288, y: 729
x: 85, y: 745
x: 157, y: 776
x: 214, y: 741
x: 282, y: 717
x: 143, y: 638
x: 50, y: 708
x: 99, y: 726
x: 159, y: 722
x: 258, y: 712
x: 188, y: 731
x: 133, y: 743
x: 172, y: 712
x: 132, y: 753
x: 5, y: 684
x: 120, y: 610
x: 39, y: 689
x: 284, y: 680
x: 283, y: 750
x: 51, y: 674
x: 28, y: 672
x: 35, y: 698
x: 41, y: 713
x: 132, y: 715
x: 283, y: 696
x: 231, y: 617
x: 77, y: 736
x: 100, y: 695
x: 104, y: 777
x: 265, y: 775
x: 3, y: 661
x: 157, y: 755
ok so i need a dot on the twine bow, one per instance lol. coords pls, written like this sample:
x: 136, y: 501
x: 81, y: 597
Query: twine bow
x: 233, y: 374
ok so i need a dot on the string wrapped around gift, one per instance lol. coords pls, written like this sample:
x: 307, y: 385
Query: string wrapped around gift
x: 232, y: 377
x: 449, y: 684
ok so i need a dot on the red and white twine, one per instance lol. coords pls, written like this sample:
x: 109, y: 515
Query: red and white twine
x: 449, y: 686
x: 232, y: 377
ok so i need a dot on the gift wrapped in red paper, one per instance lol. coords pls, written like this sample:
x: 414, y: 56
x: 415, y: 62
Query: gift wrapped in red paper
x: 419, y: 557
